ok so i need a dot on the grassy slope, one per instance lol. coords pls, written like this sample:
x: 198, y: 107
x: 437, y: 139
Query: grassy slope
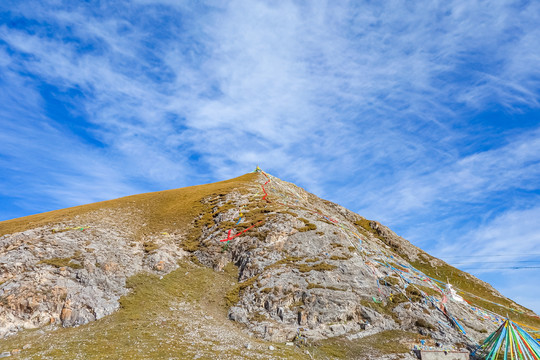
x: 153, y: 324
x: 385, y: 342
x: 148, y: 326
x: 462, y: 280
x: 458, y: 278
x: 162, y: 211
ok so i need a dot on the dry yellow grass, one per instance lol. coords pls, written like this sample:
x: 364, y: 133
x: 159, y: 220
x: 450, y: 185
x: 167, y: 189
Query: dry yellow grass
x: 162, y: 211
x: 179, y: 316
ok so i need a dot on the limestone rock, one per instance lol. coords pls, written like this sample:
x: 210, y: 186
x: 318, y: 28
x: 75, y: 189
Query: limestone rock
x: 73, y: 277
x: 238, y: 314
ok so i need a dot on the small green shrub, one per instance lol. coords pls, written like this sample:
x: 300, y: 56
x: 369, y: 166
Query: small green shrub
x: 318, y: 267
x: 423, y: 323
x: 297, y: 304
x: 288, y: 260
x: 336, y: 257
x: 224, y: 208
x: 258, y: 317
x: 289, y: 213
x: 389, y: 281
x: 414, y: 294
x: 233, y: 296
x: 61, y: 262
x: 308, y: 227
x: 150, y: 246
x: 317, y: 286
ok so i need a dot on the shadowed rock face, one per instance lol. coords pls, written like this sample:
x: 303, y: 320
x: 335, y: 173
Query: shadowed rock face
x: 303, y: 263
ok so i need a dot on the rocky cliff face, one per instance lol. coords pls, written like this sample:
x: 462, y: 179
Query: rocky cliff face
x: 315, y: 265
x: 70, y: 274
x: 305, y: 265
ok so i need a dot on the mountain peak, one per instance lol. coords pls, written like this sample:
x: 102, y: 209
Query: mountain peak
x: 305, y: 269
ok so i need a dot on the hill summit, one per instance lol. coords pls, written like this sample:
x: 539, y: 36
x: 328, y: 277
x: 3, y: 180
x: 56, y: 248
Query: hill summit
x: 252, y: 267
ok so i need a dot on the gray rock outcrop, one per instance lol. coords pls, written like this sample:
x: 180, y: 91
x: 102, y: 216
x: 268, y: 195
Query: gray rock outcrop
x: 68, y: 278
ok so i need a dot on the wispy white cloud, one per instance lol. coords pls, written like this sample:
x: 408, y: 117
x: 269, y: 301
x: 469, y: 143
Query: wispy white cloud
x: 372, y: 105
x: 49, y: 169
x: 514, y: 234
x: 467, y: 180
x: 504, y: 251
x: 266, y: 65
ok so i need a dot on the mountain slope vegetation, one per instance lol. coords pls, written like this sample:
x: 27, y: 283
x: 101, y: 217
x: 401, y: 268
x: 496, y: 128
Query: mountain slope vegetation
x: 252, y: 267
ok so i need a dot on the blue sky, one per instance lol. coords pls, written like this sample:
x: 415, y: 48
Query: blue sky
x: 422, y: 115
